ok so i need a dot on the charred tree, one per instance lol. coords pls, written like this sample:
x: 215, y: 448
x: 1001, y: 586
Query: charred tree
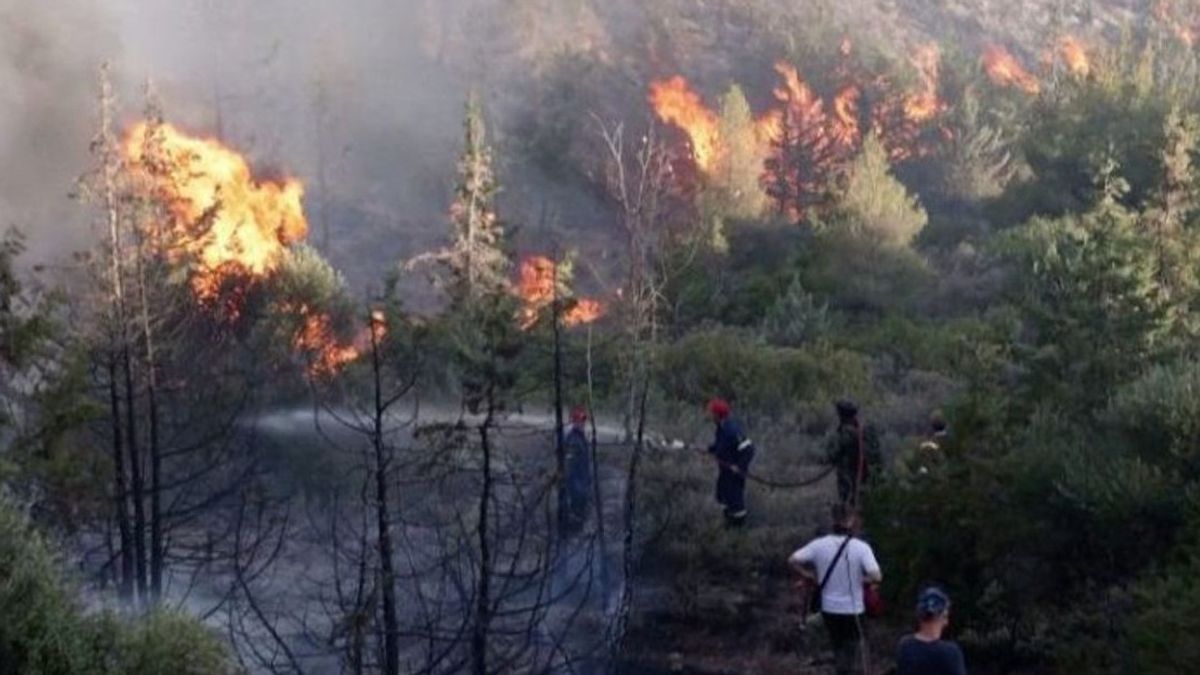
x: 105, y: 149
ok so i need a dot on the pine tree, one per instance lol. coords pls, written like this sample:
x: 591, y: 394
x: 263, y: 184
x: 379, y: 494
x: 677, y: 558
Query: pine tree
x: 876, y: 206
x: 1176, y: 246
x: 979, y: 160
x: 1091, y: 300
x: 477, y: 262
x: 801, y: 166
x: 739, y: 170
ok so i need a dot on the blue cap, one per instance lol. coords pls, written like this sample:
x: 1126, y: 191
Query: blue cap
x: 932, y: 602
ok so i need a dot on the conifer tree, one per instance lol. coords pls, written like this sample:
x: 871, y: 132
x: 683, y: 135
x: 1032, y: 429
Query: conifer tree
x: 801, y: 163
x: 477, y: 262
x: 875, y: 205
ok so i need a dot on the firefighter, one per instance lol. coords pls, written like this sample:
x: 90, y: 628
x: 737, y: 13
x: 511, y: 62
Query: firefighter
x: 929, y: 451
x: 854, y: 450
x: 733, y: 452
x: 579, y: 471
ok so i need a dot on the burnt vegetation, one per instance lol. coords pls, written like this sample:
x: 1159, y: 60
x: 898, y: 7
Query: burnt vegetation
x: 217, y: 455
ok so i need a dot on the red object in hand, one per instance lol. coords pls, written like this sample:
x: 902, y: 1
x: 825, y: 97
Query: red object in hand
x: 873, y: 601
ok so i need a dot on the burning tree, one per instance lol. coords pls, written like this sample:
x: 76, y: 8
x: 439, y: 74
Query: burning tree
x: 802, y: 163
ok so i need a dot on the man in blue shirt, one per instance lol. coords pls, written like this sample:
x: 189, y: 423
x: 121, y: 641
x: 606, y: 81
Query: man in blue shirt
x: 579, y: 471
x: 733, y: 452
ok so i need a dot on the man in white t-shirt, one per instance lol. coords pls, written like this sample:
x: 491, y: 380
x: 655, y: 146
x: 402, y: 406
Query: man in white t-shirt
x: 842, y: 564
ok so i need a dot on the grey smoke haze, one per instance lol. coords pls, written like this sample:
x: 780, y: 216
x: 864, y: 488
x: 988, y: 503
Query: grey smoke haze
x: 360, y: 85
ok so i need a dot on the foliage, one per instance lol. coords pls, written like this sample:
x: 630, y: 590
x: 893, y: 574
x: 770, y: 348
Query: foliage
x: 769, y: 381
x: 45, y: 632
x: 1094, y: 310
x: 796, y: 318
x: 1160, y: 414
x: 861, y: 276
x: 21, y: 330
x: 874, y: 205
x: 979, y: 160
x: 735, y: 189
x: 475, y: 263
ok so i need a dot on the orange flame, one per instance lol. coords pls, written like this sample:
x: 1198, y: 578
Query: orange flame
x: 830, y: 131
x: 316, y: 340
x: 1074, y: 56
x: 537, y: 287
x: 584, y: 312
x: 768, y: 128
x: 225, y: 225
x: 225, y: 222
x: 674, y: 101
x: 846, y: 129
x: 925, y: 105
x: 1004, y: 70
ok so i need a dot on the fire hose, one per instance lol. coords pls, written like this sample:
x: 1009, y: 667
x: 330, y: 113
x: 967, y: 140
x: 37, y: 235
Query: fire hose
x: 767, y: 482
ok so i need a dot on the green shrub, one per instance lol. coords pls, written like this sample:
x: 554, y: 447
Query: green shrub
x: 45, y: 632
x: 1160, y: 415
x: 763, y: 380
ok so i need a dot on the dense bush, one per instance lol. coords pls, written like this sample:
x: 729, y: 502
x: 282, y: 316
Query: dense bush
x: 46, y: 632
x: 764, y: 380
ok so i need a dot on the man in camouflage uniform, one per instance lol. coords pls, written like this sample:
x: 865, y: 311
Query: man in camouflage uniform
x: 854, y: 450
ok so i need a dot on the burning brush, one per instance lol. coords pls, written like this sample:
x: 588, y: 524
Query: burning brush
x: 229, y: 230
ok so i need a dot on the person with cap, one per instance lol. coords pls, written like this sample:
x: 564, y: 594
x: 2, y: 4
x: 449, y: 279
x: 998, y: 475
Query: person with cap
x: 837, y: 566
x: 579, y: 471
x: 925, y: 652
x: 733, y: 452
x: 854, y: 450
x: 928, y: 453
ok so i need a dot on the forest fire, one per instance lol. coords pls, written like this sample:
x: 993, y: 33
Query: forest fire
x: 537, y: 285
x: 1006, y: 71
x: 223, y: 221
x: 676, y: 103
x: 1168, y: 13
x: 1074, y: 56
x: 228, y: 228
x: 316, y: 340
x: 840, y: 118
x: 925, y: 104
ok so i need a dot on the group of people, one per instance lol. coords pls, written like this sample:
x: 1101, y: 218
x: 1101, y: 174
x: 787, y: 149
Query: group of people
x: 839, y: 569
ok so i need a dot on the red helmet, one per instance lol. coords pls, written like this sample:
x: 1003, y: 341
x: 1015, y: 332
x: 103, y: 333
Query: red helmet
x: 579, y: 415
x: 718, y: 408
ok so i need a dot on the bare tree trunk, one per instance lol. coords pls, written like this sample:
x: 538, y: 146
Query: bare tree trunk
x: 135, y: 473
x: 625, y: 606
x: 597, y: 495
x: 125, y: 581
x: 158, y: 548
x: 391, y: 624
x: 109, y: 172
x: 483, y: 610
x: 157, y: 552
x: 560, y: 450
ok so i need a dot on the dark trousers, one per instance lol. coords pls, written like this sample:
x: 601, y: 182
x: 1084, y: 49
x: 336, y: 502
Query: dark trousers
x: 731, y: 492
x: 846, y: 634
x: 576, y: 506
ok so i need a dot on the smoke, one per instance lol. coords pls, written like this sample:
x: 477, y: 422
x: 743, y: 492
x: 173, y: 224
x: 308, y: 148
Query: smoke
x: 359, y: 100
x: 49, y: 53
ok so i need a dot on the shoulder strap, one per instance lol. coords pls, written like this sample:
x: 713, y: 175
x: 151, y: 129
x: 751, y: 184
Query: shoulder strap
x: 837, y: 556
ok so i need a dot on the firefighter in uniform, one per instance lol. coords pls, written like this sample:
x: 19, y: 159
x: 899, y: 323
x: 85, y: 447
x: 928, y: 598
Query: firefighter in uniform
x: 733, y: 452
